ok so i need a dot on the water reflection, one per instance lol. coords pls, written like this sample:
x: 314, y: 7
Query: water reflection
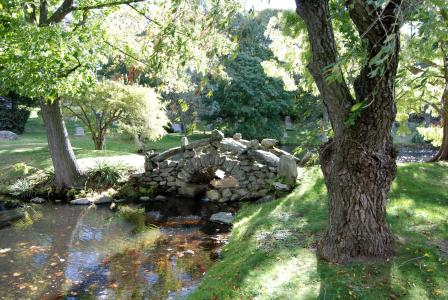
x: 79, y: 253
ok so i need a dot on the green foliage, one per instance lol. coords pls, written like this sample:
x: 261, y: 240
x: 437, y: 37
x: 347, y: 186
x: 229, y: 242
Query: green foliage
x: 432, y: 134
x: 138, y: 110
x: 22, y: 188
x: 104, y: 175
x: 250, y: 102
x: 14, y: 120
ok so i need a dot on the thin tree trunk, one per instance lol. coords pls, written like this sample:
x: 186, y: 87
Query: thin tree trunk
x: 66, y: 169
x: 359, y: 162
x: 98, y: 141
x: 442, y: 154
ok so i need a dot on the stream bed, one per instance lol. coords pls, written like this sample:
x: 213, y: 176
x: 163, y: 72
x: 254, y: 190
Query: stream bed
x: 77, y: 252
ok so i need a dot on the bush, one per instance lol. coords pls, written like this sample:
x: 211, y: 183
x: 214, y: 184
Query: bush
x: 14, y: 120
x: 105, y: 175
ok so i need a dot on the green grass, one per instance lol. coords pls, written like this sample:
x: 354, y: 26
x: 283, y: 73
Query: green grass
x: 256, y: 265
x: 31, y: 148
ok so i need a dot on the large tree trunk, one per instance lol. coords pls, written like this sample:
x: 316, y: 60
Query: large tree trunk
x: 359, y: 162
x: 66, y: 169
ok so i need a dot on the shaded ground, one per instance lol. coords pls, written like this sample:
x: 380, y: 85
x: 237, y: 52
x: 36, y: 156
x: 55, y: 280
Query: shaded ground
x: 271, y: 253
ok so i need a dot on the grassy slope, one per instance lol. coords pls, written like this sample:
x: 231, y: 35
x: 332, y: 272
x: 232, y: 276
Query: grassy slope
x: 31, y: 148
x: 287, y: 268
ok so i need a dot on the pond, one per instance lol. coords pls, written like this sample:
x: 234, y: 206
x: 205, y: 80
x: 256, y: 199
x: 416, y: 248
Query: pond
x: 78, y: 252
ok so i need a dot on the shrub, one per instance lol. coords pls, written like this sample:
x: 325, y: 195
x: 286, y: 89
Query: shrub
x: 105, y: 175
x: 14, y: 120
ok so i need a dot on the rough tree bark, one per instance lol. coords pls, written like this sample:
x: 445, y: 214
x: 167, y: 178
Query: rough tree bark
x: 66, y: 169
x: 358, y: 163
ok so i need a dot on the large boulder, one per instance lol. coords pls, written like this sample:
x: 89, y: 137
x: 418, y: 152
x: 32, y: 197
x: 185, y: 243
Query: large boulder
x: 287, y: 168
x: 7, y: 135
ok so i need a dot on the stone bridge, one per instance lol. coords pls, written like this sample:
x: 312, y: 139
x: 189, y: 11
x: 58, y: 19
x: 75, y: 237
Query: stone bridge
x: 226, y: 169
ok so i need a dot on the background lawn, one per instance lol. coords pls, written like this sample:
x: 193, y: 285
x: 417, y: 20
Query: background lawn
x: 31, y: 148
x: 271, y: 253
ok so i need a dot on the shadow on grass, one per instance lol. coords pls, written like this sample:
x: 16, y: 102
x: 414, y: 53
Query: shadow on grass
x: 271, y: 253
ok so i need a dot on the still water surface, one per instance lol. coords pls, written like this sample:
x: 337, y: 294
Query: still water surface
x: 93, y: 253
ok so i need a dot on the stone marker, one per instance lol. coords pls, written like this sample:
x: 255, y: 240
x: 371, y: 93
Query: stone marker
x: 184, y: 141
x: 7, y: 135
x: 287, y: 167
x: 176, y: 127
x: 288, y: 123
x: 79, y: 131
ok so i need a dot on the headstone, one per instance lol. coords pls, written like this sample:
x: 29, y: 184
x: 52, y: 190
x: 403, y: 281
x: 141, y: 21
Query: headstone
x: 288, y: 123
x: 184, y: 141
x: 79, y: 131
x: 176, y: 127
x: 287, y: 167
x: 7, y: 135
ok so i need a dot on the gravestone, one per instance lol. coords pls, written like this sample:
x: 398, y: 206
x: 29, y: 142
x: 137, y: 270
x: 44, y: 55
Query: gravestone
x: 79, y: 131
x: 288, y: 123
x: 176, y: 127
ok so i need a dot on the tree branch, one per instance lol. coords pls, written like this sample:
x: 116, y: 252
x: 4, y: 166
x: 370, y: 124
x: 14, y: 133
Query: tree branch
x: 60, y: 13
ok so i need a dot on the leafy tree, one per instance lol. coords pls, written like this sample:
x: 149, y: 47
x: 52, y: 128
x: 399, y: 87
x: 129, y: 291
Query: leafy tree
x: 139, y: 110
x: 423, y: 80
x: 358, y: 163
x: 253, y: 97
x: 54, y: 47
x: 250, y: 102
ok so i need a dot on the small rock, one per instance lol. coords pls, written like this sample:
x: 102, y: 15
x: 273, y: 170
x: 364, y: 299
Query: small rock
x: 255, y: 144
x: 82, y: 201
x: 268, y: 143
x: 113, y: 206
x: 145, y: 198
x: 213, y: 195
x: 216, y: 255
x: 189, y: 252
x: 281, y: 187
x: 38, y: 200
x: 160, y: 198
x: 265, y: 199
x: 154, y: 216
x: 7, y: 135
x: 222, y: 217
x: 57, y: 201
x: 226, y: 193
x: 119, y: 200
x: 237, y: 136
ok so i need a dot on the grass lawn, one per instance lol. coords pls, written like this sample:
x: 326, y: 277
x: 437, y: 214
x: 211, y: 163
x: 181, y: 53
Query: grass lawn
x: 271, y: 253
x: 31, y: 148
